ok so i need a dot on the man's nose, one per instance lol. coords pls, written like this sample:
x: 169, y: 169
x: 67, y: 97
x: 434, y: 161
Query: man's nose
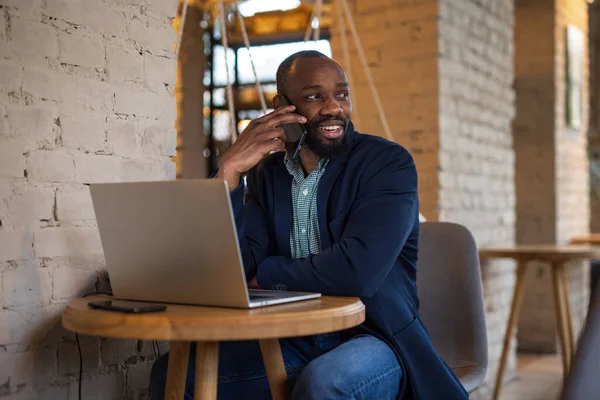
x: 331, y: 106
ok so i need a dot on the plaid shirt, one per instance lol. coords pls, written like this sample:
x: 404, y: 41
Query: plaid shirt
x: 305, y: 238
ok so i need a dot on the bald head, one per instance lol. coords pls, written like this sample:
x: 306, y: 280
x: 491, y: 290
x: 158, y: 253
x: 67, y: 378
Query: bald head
x: 287, y: 66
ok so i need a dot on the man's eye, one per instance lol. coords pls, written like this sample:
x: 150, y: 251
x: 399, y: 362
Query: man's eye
x: 313, y: 97
x: 344, y: 95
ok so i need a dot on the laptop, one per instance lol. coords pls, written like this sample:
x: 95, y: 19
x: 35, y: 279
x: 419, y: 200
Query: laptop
x: 176, y: 242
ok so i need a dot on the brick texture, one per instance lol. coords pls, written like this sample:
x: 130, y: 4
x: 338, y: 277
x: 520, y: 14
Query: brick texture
x: 572, y: 164
x: 444, y: 70
x: 552, y: 164
x: 594, y: 128
x: 82, y: 100
x: 476, y: 159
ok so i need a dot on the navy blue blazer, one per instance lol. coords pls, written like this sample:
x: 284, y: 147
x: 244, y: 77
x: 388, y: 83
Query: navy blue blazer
x: 368, y: 216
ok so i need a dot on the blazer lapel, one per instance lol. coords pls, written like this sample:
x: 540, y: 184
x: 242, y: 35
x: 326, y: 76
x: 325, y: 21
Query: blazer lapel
x: 331, y: 173
x: 333, y: 170
x: 283, y: 209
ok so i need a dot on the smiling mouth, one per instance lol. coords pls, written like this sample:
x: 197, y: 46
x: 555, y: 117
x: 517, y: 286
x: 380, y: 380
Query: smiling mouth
x: 331, y: 131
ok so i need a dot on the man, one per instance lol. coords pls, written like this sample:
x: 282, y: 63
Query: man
x: 341, y: 219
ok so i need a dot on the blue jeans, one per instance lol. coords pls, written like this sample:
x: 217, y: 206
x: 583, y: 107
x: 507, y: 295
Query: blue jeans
x: 341, y: 365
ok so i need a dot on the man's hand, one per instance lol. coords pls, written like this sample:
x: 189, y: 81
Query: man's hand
x: 262, y: 136
x: 253, y: 284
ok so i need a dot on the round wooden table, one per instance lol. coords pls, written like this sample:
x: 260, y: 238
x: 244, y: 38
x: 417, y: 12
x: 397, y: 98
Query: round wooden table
x: 181, y: 325
x: 557, y: 257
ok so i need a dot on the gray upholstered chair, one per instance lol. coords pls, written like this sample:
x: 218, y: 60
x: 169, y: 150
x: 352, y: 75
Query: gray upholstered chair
x: 583, y: 382
x: 451, y: 300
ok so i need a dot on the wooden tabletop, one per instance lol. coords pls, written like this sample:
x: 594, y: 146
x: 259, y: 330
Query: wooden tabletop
x: 591, y: 239
x: 547, y: 252
x: 195, y: 323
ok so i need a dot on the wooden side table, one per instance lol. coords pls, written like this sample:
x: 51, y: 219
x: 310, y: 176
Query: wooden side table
x: 182, y: 325
x: 591, y: 239
x: 558, y: 257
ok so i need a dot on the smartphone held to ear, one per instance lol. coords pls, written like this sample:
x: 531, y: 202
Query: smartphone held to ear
x: 294, y: 133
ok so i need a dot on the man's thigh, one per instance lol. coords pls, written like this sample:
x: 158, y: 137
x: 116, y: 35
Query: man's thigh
x: 364, y: 367
x: 241, y: 369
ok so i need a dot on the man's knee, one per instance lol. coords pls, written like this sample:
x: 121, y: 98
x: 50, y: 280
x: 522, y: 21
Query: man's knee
x: 364, y: 368
x: 319, y: 382
x: 158, y: 378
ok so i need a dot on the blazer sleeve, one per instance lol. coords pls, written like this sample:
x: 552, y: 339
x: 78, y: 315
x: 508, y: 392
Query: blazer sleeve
x: 253, y: 233
x: 377, y: 228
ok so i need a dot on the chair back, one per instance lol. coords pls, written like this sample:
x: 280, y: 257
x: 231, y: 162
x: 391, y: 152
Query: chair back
x: 583, y: 382
x: 451, y: 299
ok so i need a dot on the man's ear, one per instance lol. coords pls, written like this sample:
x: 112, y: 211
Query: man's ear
x: 276, y: 101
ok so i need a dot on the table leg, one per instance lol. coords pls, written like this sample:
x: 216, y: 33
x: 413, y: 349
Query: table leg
x: 571, y: 342
x: 513, y: 317
x: 276, y: 374
x: 561, y: 317
x: 179, y: 355
x: 207, y: 370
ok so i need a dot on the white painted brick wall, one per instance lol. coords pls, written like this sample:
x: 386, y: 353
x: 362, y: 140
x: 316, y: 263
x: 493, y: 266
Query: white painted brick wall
x: 84, y: 131
x: 28, y: 204
x: 12, y: 160
x: 33, y: 127
x: 39, y: 365
x: 92, y: 168
x: 68, y: 282
x: 3, y: 38
x: 26, y: 286
x: 82, y: 100
x: 133, y: 101
x: 81, y: 51
x: 74, y: 204
x: 15, y: 244
x: 124, y: 137
x: 115, y: 351
x: 51, y: 166
x: 11, y: 77
x: 124, y: 64
x: 159, y: 141
x: 159, y: 69
x: 32, y: 39
x: 58, y: 242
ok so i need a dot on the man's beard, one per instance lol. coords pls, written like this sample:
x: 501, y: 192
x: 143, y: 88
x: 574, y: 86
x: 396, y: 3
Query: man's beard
x: 324, y: 148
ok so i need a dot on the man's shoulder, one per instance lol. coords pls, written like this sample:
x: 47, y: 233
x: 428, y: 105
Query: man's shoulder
x: 374, y: 150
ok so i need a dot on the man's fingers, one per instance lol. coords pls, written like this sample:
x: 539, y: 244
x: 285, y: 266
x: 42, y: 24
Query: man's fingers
x: 274, y: 113
x: 278, y: 120
x: 273, y: 145
x: 276, y: 133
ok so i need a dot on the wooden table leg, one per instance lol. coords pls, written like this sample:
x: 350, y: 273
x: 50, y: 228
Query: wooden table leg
x: 561, y: 316
x: 513, y: 317
x: 571, y: 341
x: 179, y: 355
x: 276, y: 374
x: 207, y: 371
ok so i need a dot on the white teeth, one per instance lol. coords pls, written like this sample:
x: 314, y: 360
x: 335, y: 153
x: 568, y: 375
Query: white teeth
x: 330, y: 128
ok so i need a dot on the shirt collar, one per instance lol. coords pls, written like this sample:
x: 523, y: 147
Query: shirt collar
x: 294, y: 165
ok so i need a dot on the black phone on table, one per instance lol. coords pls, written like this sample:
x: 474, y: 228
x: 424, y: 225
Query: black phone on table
x: 295, y: 132
x: 129, y: 307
